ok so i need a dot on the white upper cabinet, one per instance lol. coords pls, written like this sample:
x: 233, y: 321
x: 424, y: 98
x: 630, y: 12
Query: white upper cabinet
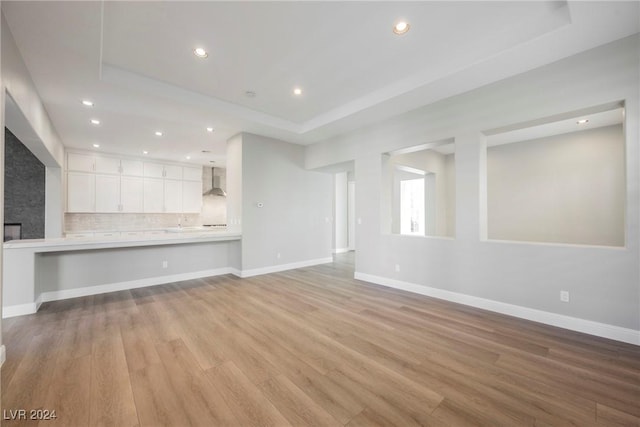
x: 153, y: 170
x: 107, y: 184
x: 106, y: 165
x: 192, y: 173
x: 107, y: 193
x: 131, y: 194
x: 172, y: 196
x: 81, y: 192
x: 131, y: 167
x: 80, y: 162
x: 153, y: 195
x: 172, y: 172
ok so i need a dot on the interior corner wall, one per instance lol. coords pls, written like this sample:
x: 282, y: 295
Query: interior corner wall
x: 450, y: 191
x: 341, y: 237
x: 286, y: 209
x: 604, y: 282
x: 234, y: 196
x: 53, y: 203
x: 18, y: 83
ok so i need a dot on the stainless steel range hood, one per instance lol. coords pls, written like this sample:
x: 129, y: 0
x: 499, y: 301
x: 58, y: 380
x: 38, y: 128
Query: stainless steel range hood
x: 216, y: 190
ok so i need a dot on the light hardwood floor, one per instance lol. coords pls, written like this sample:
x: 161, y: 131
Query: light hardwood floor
x: 307, y: 347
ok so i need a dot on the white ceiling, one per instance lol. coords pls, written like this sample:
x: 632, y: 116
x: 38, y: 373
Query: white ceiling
x: 135, y: 61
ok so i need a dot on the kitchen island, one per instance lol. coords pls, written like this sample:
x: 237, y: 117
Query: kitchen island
x: 40, y: 270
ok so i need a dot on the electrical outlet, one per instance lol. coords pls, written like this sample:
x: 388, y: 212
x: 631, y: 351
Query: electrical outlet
x: 397, y: 268
x: 165, y: 264
x: 564, y: 296
x: 278, y: 255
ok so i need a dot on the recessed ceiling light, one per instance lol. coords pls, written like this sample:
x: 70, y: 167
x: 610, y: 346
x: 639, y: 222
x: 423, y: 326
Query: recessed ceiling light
x: 188, y: 157
x: 96, y: 145
x: 209, y: 129
x: 145, y: 152
x: 95, y: 121
x: 582, y: 121
x: 297, y: 91
x: 158, y: 133
x: 200, y: 52
x: 87, y: 103
x: 401, y: 27
x: 250, y: 94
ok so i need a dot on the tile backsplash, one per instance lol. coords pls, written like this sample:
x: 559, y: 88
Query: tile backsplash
x: 76, y: 222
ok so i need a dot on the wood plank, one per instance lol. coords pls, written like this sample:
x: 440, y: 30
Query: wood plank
x: 203, y: 403
x: 29, y: 386
x: 246, y: 401
x: 294, y: 404
x: 611, y: 416
x: 70, y: 393
x: 111, y: 394
x: 157, y: 404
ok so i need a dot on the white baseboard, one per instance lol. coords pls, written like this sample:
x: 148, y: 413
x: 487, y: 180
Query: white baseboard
x: 30, y: 308
x: 132, y: 284
x: 590, y: 327
x: 235, y: 272
x: 340, y: 250
x: 3, y: 355
x: 283, y: 267
x: 19, y: 310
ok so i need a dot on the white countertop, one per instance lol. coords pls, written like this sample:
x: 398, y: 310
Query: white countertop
x: 70, y: 244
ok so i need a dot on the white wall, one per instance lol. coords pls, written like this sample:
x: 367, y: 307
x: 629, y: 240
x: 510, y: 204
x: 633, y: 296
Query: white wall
x: 450, y: 191
x: 41, y: 138
x: 57, y: 271
x: 566, y: 188
x: 340, y: 212
x: 604, y: 282
x: 295, y: 220
x: 234, y: 183
x: 53, y: 206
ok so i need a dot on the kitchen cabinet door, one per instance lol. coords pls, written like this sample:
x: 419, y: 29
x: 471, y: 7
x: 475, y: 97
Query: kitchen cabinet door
x: 153, y: 170
x: 131, y: 194
x: 172, y: 172
x: 192, y: 174
x: 80, y: 162
x: 172, y: 196
x: 107, y: 165
x: 81, y: 192
x: 107, y: 193
x: 132, y: 167
x: 191, y: 196
x: 153, y: 200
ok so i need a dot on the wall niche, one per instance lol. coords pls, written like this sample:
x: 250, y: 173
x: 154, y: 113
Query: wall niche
x: 562, y: 181
x: 419, y: 190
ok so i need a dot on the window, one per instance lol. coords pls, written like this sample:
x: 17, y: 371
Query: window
x: 412, y: 206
